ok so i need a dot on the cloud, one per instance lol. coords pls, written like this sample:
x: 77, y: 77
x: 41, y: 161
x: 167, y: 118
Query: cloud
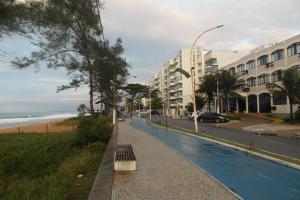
x: 155, y: 30
x: 51, y: 80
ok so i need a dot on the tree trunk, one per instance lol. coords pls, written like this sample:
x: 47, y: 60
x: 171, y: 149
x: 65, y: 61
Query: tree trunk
x: 132, y: 108
x: 208, y: 101
x: 228, y: 105
x: 91, y: 93
x: 291, y: 111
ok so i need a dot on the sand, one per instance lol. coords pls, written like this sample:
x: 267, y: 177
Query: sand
x: 45, y: 127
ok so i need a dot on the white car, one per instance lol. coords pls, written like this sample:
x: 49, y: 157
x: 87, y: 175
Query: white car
x: 143, y: 114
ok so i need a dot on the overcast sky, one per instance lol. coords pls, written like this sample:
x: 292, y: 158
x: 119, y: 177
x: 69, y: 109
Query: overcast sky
x: 152, y: 32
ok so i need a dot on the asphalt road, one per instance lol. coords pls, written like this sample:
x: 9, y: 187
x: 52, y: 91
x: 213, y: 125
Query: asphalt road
x: 280, y: 145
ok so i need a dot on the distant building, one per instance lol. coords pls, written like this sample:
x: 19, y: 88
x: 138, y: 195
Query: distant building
x: 175, y: 89
x: 257, y: 70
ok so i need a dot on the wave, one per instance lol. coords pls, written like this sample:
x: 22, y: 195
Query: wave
x: 8, y: 122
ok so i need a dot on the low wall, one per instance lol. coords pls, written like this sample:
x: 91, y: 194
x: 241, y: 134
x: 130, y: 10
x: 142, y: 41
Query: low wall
x: 102, y: 186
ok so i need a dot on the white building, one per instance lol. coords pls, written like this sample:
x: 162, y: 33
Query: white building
x: 175, y: 88
x: 258, y: 70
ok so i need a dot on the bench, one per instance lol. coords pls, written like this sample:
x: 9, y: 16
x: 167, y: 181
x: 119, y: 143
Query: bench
x: 124, y: 158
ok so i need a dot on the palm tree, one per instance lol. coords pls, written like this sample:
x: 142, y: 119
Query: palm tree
x: 227, y: 85
x: 290, y: 88
x: 208, y: 86
x: 200, y: 103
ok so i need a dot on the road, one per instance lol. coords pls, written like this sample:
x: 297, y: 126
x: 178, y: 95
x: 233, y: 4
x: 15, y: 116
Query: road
x: 280, y: 145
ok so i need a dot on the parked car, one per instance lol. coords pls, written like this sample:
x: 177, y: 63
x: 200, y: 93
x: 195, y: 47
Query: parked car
x: 213, y: 117
x: 143, y: 114
x: 190, y: 115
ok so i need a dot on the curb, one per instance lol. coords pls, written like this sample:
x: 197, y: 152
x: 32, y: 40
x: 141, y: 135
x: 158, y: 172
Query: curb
x: 102, y: 186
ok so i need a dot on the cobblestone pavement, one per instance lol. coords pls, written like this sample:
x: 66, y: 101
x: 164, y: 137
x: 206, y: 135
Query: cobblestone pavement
x: 161, y: 173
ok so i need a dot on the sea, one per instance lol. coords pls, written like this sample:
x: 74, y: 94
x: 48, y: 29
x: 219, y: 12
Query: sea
x: 18, y: 119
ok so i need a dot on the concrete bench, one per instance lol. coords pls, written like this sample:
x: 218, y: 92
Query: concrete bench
x: 124, y: 158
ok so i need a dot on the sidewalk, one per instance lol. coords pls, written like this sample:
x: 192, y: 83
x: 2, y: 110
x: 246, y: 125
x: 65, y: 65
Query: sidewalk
x: 161, y: 173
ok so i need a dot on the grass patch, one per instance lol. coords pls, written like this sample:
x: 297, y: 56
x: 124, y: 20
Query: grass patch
x: 277, y: 116
x: 46, y: 166
x: 234, y: 117
x: 69, y: 122
x: 273, y: 155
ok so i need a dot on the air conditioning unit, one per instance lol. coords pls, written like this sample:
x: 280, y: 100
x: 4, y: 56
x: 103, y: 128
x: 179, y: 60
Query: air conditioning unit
x: 246, y: 89
x: 270, y: 64
x: 269, y: 85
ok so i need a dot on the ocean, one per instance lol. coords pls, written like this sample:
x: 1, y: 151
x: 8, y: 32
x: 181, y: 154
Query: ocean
x: 18, y: 119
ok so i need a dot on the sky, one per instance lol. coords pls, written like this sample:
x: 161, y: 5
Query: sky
x: 152, y: 32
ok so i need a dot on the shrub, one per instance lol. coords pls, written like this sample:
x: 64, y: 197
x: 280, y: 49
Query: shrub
x: 297, y: 116
x: 288, y: 120
x: 234, y: 117
x: 93, y: 130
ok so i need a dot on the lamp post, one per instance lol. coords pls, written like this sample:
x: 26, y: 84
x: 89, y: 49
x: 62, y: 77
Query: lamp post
x: 192, y: 76
x: 115, y: 99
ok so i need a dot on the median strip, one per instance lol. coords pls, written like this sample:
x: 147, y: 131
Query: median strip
x: 291, y: 162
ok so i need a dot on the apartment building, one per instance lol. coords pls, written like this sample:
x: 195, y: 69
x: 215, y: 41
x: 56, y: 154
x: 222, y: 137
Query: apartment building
x: 216, y: 60
x: 258, y: 70
x: 175, y: 88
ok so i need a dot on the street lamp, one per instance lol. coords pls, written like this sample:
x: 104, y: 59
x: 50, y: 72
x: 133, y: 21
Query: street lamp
x: 150, y: 102
x: 192, y: 77
x: 116, y: 78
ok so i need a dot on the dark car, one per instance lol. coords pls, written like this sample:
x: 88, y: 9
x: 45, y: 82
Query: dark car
x: 213, y: 117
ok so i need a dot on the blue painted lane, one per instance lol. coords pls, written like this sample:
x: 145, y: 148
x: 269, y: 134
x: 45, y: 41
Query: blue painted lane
x: 249, y: 176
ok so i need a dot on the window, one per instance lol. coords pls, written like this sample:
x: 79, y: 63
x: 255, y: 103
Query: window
x: 241, y: 84
x: 240, y: 68
x: 279, y: 100
x: 232, y: 70
x: 296, y: 68
x: 277, y: 55
x: 251, y: 81
x: 294, y: 49
x: 277, y: 76
x: 262, y: 60
x: 251, y: 64
x: 263, y: 79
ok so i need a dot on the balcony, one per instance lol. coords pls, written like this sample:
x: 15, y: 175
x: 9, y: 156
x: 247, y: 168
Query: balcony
x: 241, y: 73
x: 244, y: 72
x: 270, y: 85
x: 246, y: 89
x: 269, y: 64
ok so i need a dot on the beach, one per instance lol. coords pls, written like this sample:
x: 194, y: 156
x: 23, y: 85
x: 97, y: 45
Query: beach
x: 44, y: 127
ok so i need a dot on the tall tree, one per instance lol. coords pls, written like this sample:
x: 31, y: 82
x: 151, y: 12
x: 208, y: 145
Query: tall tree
x: 209, y: 87
x: 111, y: 71
x: 290, y: 88
x: 135, y: 91
x: 156, y: 101
x: 200, y: 102
x: 70, y: 36
x: 227, y: 85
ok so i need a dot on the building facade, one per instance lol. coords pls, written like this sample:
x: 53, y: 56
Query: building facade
x: 175, y: 88
x: 258, y: 70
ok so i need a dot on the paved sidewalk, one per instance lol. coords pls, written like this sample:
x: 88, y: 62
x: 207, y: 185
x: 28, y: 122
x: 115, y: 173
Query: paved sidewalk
x: 161, y: 173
